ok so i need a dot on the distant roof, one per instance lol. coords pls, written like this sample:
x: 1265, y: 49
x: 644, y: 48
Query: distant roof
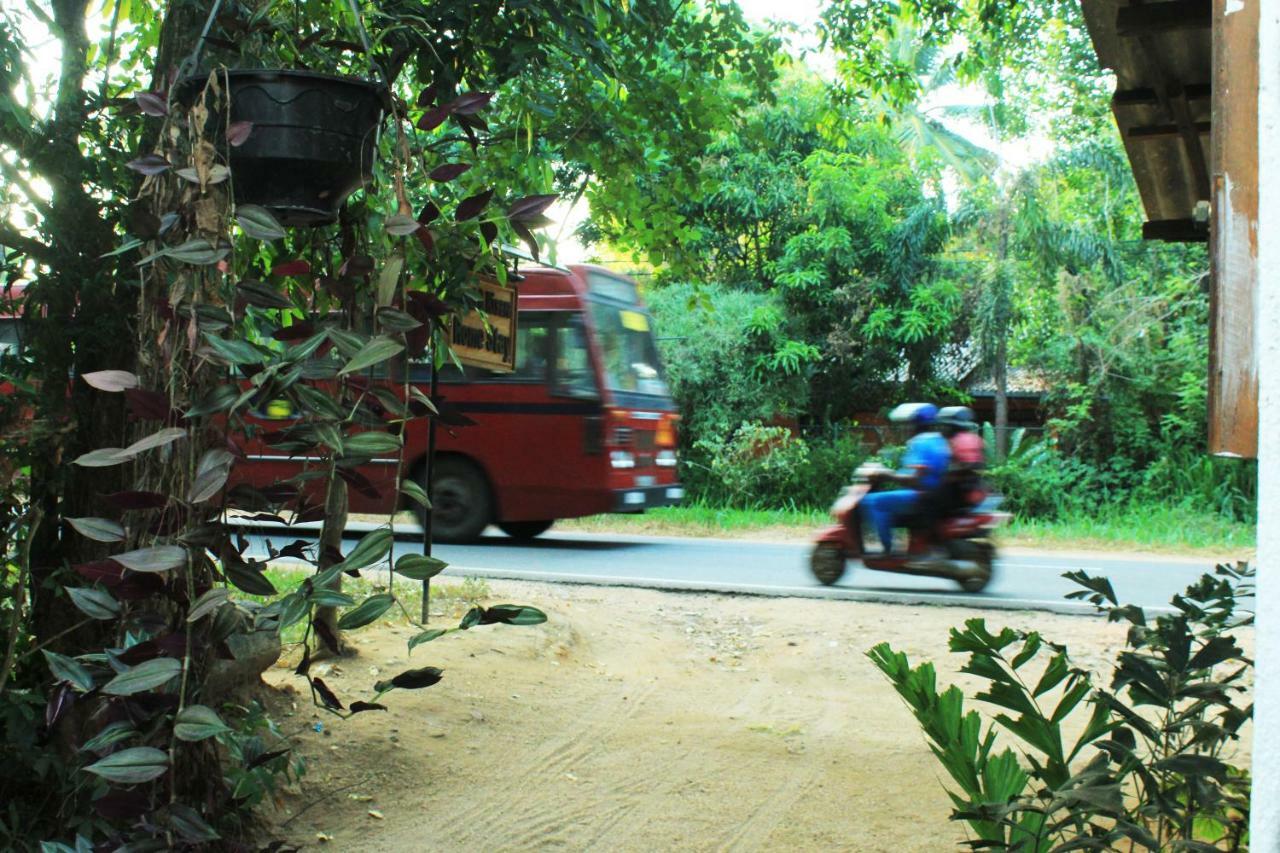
x: 1161, y: 53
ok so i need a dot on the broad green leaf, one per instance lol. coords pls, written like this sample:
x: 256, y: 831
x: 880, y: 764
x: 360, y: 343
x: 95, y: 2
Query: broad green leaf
x: 102, y: 458
x: 389, y: 278
x: 98, y: 529
x: 188, y: 823
x: 412, y: 679
x: 208, y: 603
x: 69, y: 670
x: 132, y: 766
x: 211, y: 475
x: 198, y: 252
x: 348, y: 342
x: 426, y: 637
x: 145, y: 676
x: 331, y: 598
x: 412, y: 490
x: 375, y: 545
x: 262, y: 295
x: 157, y: 439
x: 401, y: 225
x: 258, y: 222
x: 294, y: 607
x: 512, y: 614
x: 366, y: 611
x: 370, y: 443
x: 160, y: 558
x: 234, y: 351
x: 395, y: 320
x: 419, y: 567
x: 376, y: 351
x: 248, y: 578
x: 197, y: 722
x: 94, y: 603
x: 216, y: 401
x: 111, y: 734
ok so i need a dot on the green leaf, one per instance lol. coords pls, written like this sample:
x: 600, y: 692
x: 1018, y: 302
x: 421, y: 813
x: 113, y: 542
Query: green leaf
x: 98, y: 529
x: 331, y: 598
x: 216, y: 401
x: 234, y: 351
x: 414, y: 491
x: 395, y: 320
x: 111, y: 734
x: 426, y: 637
x: 389, y: 277
x: 198, y: 252
x: 375, y: 546
x: 145, y: 676
x: 101, y: 458
x: 378, y: 350
x: 188, y: 823
x: 211, y: 475
x: 94, y: 603
x: 262, y: 295
x: 294, y: 607
x: 370, y: 443
x: 258, y: 222
x: 366, y: 611
x: 512, y: 614
x: 197, y: 722
x: 412, y: 679
x: 111, y: 380
x: 401, y: 225
x: 69, y: 670
x: 157, y: 439
x: 160, y: 558
x: 208, y: 603
x: 248, y: 578
x: 347, y: 341
x: 419, y: 567
x: 131, y: 766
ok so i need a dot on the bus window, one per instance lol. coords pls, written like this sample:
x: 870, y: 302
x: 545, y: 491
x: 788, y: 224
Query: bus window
x: 533, y: 350
x: 573, y: 374
x: 10, y: 342
x: 630, y: 357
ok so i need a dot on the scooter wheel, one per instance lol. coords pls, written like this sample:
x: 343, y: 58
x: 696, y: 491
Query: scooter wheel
x: 827, y: 562
x: 985, y: 559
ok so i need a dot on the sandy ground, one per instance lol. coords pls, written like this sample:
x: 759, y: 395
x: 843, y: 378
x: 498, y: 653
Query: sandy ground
x: 641, y: 720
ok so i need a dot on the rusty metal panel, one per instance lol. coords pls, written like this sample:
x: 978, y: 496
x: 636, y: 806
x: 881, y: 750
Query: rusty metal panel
x: 1233, y: 233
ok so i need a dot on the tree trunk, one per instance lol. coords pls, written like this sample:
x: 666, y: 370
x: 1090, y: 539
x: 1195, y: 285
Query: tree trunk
x: 335, y: 522
x: 1000, y: 373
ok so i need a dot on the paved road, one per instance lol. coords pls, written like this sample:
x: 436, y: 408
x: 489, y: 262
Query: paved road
x: 1022, y: 581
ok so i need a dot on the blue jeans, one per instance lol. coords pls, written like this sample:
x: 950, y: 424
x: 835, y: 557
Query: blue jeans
x: 883, y: 508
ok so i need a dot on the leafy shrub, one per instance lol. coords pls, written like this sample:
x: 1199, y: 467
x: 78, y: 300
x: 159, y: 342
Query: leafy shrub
x: 1147, y: 770
x: 768, y: 466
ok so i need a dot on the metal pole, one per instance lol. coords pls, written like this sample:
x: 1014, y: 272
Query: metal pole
x: 428, y: 472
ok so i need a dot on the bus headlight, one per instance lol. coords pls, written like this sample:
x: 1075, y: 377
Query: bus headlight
x: 665, y: 459
x: 622, y: 459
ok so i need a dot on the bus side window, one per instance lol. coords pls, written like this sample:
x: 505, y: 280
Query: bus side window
x: 573, y: 376
x: 533, y: 351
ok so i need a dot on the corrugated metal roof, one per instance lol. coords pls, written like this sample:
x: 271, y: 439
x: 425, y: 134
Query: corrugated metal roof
x: 1162, y: 55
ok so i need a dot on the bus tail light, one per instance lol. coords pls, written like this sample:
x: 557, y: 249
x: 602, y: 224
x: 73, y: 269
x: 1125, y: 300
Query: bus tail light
x: 666, y: 436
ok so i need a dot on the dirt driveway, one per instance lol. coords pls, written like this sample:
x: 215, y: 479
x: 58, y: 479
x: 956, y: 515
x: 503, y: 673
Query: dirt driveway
x: 640, y: 720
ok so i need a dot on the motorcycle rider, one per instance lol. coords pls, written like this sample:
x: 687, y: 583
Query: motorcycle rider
x: 968, y: 458
x: 924, y: 465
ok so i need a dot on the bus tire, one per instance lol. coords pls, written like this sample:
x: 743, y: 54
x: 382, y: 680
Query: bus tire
x: 461, y: 501
x: 525, y: 529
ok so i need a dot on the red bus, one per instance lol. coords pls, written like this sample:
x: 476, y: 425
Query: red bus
x: 584, y: 425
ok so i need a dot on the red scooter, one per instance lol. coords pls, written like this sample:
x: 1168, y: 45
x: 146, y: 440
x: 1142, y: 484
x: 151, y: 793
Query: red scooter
x: 958, y: 547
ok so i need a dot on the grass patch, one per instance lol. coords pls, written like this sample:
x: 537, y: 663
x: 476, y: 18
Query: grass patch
x: 1167, y: 529
x: 448, y: 600
x: 703, y: 520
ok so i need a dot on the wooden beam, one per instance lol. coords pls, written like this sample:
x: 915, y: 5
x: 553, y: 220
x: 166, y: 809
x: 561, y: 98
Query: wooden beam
x: 1159, y: 131
x: 1162, y: 17
x: 1150, y: 98
x: 1176, y: 231
x: 1233, y: 246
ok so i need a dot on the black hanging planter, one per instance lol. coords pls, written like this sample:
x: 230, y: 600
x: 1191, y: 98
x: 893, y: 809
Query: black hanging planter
x: 312, y: 140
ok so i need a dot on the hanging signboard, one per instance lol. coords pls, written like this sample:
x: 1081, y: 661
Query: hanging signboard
x: 487, y: 340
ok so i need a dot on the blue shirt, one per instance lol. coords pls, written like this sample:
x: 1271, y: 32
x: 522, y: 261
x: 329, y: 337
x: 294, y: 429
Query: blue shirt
x: 930, y: 451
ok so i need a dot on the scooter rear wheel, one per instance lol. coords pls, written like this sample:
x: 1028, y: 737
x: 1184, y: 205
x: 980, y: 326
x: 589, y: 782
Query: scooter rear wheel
x: 985, y: 558
x: 827, y: 562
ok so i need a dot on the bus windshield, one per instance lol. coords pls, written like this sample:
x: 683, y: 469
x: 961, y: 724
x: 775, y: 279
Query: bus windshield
x: 630, y: 359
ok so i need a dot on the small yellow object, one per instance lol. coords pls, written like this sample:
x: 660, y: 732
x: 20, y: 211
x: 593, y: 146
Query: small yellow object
x: 279, y: 409
x: 635, y: 321
x: 323, y: 838
x: 375, y: 814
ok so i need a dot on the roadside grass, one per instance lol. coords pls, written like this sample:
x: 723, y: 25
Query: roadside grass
x: 1153, y: 528
x: 448, y: 600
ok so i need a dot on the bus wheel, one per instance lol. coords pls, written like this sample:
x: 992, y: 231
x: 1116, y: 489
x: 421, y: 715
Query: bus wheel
x: 525, y: 529
x: 460, y: 499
